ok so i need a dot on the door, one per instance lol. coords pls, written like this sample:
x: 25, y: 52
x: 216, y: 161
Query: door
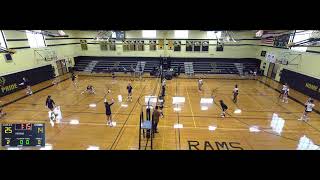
x: 270, y: 69
x: 274, y: 71
x: 61, y: 66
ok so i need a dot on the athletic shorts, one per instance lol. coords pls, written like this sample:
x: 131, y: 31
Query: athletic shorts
x: 307, y: 111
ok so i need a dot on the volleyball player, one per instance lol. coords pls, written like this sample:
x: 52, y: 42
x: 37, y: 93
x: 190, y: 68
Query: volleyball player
x: 129, y: 88
x: 285, y: 94
x: 235, y: 93
x: 224, y: 108
x: 113, y: 74
x: 284, y: 87
x: 50, y: 104
x: 27, y: 83
x: 255, y: 74
x: 200, y: 83
x: 89, y: 90
x: 308, y: 109
x: 73, y: 78
x: 108, y: 111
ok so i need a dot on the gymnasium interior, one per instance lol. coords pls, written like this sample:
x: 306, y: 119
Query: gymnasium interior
x: 164, y: 68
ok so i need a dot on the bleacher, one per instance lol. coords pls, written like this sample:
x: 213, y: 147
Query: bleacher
x: 200, y: 65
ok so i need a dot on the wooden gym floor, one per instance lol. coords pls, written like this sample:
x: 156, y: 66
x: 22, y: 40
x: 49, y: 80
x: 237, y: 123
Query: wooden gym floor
x: 257, y: 102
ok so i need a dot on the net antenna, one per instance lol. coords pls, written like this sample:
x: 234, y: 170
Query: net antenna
x: 103, y: 36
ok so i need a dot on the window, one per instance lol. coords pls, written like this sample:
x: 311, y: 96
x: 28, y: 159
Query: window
x: 2, y: 40
x: 114, y: 35
x: 149, y: 33
x: 299, y: 36
x: 181, y: 33
x: 211, y: 35
x: 36, y: 40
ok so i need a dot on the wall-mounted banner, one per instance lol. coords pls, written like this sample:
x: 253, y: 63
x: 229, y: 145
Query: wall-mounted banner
x: 10, y: 83
x: 305, y: 84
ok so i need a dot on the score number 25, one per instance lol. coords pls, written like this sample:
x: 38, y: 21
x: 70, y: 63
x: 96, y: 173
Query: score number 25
x: 7, y: 130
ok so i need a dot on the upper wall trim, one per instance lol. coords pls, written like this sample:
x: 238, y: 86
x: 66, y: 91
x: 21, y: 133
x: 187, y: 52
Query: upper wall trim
x: 135, y: 39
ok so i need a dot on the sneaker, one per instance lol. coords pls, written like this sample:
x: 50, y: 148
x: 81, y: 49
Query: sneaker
x: 110, y: 124
x: 300, y: 119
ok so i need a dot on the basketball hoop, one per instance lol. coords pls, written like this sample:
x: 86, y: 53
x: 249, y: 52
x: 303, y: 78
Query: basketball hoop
x: 290, y: 44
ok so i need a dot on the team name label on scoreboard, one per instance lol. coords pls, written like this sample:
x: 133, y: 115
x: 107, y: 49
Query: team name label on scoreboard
x: 20, y: 135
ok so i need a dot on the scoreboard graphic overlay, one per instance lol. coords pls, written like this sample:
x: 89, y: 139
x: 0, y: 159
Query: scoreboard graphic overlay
x: 23, y: 135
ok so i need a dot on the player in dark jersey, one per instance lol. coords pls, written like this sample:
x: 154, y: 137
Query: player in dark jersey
x: 224, y: 108
x: 108, y: 111
x: 113, y: 74
x: 50, y: 103
x: 200, y: 83
x: 235, y: 93
x: 129, y: 88
x: 89, y: 90
x: 73, y: 78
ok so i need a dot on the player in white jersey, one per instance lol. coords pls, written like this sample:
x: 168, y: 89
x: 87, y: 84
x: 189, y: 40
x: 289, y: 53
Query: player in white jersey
x: 308, y: 109
x: 284, y: 87
x: 235, y: 93
x: 200, y: 83
x: 285, y: 94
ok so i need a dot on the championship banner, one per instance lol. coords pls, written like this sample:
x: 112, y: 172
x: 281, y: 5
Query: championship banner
x: 170, y: 45
x: 161, y: 43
